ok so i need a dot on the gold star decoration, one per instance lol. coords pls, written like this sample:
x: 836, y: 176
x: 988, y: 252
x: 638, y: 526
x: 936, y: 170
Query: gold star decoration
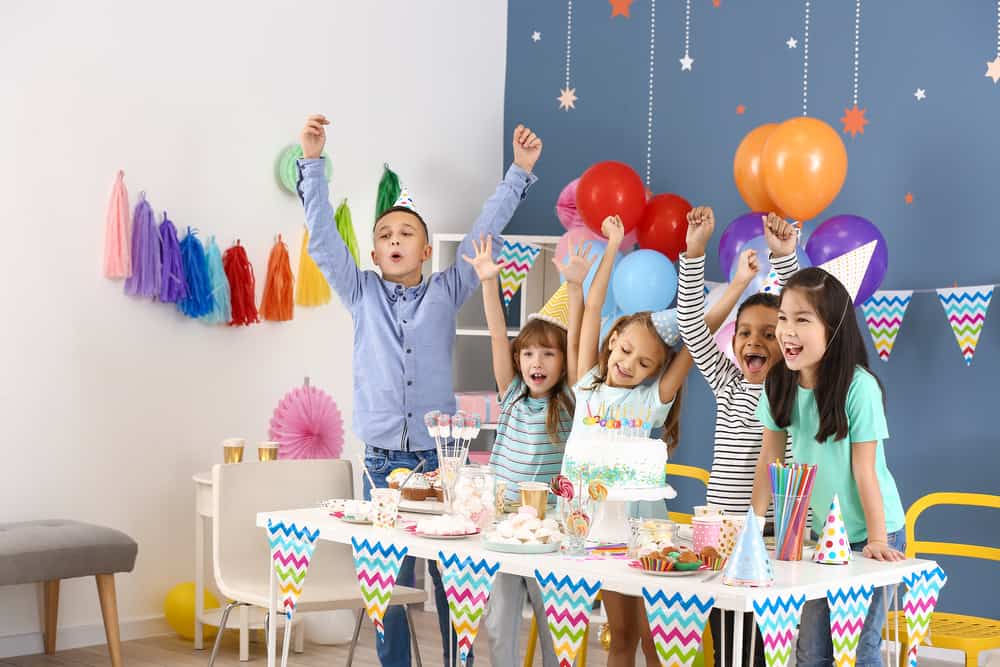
x: 993, y: 69
x: 567, y: 98
x: 854, y: 121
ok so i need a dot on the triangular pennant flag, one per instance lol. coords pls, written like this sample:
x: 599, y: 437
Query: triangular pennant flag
x: 966, y: 309
x: 291, y: 550
x: 848, y: 609
x: 556, y: 309
x: 568, y: 603
x: 850, y: 268
x: 749, y: 564
x: 467, y: 585
x: 919, y: 600
x: 777, y: 619
x: 677, y: 624
x: 377, y: 567
x: 515, y: 260
x: 833, y: 547
x: 884, y: 311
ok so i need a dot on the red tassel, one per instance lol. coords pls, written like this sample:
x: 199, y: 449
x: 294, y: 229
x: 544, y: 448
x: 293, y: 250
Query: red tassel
x: 239, y: 272
x: 278, y: 302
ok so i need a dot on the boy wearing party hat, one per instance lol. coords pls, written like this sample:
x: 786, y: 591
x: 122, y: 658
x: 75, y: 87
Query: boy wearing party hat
x: 404, y: 326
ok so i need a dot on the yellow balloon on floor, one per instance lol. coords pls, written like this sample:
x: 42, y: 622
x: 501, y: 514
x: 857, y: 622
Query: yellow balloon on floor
x: 178, y: 607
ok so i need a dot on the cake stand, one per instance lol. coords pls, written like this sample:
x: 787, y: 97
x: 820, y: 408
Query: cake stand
x: 610, y: 524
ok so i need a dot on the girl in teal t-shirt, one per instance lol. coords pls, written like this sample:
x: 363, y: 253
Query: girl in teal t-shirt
x: 826, y: 397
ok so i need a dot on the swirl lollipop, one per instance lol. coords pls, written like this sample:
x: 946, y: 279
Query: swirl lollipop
x: 578, y: 523
x: 598, y: 491
x: 562, y: 487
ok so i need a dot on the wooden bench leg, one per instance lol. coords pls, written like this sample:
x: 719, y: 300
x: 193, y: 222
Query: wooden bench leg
x: 51, y: 614
x: 109, y: 610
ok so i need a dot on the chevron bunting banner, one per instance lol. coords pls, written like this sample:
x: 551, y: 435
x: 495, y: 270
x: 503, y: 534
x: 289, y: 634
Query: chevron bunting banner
x: 848, y: 609
x: 516, y: 259
x: 567, y: 603
x: 919, y: 600
x: 377, y: 566
x: 966, y: 308
x: 677, y: 624
x: 291, y: 550
x: 777, y: 619
x: 884, y: 311
x: 467, y: 585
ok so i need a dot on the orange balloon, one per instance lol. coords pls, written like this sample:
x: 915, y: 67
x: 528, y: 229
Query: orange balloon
x: 747, y: 171
x: 804, y: 163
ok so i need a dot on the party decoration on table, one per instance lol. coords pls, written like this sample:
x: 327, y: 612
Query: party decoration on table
x: 848, y: 609
x: 677, y: 623
x: 838, y: 236
x: 311, y: 289
x: 687, y: 61
x: 791, y: 486
x: 567, y: 604
x: 146, y: 266
x: 966, y: 309
x: 854, y: 118
x: 919, y: 600
x: 663, y: 225
x: 198, y: 301
x: 239, y: 272
x: 307, y: 425
x: 467, y: 585
x: 884, y: 313
x: 833, y: 546
x: 515, y: 260
x: 118, y: 232
x: 556, y: 309
x: 850, y: 269
x: 345, y: 227
x: 377, y: 567
x: 749, y: 564
x: 287, y: 167
x: 567, y: 96
x: 749, y: 178
x: 576, y: 507
x: 277, y: 303
x: 222, y: 310
x: 778, y: 617
x: 610, y: 188
x: 643, y: 280
x: 804, y: 163
x: 173, y: 286
x: 666, y: 325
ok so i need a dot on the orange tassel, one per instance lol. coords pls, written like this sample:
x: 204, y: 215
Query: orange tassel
x: 278, y: 301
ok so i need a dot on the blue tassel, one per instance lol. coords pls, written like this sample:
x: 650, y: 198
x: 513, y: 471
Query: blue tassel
x: 222, y: 311
x: 198, y: 300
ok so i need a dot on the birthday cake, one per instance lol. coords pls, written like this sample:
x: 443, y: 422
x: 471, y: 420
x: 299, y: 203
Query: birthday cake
x: 621, y: 462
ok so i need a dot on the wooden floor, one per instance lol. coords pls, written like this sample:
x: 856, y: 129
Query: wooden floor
x: 175, y: 651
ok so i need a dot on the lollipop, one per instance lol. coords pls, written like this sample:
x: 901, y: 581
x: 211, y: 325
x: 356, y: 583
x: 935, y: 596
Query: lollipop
x: 578, y: 523
x: 597, y: 491
x: 562, y: 487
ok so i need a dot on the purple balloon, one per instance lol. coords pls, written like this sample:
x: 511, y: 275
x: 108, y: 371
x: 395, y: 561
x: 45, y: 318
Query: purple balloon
x: 738, y: 232
x: 840, y: 235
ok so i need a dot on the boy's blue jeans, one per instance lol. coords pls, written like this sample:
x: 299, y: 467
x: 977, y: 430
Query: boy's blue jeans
x: 815, y: 647
x: 394, y: 650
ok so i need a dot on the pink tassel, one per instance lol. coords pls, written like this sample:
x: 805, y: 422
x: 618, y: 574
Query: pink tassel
x: 117, y: 232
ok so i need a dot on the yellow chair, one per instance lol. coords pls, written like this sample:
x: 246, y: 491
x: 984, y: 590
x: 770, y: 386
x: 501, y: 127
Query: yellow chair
x: 693, y: 472
x: 970, y: 634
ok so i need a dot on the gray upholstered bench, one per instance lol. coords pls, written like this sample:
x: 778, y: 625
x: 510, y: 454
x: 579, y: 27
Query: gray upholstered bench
x: 48, y: 551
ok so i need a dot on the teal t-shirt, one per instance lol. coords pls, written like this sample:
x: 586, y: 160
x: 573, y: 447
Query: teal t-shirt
x: 865, y: 423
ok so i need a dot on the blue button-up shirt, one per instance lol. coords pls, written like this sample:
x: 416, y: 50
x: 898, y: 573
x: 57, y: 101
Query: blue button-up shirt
x: 403, y: 336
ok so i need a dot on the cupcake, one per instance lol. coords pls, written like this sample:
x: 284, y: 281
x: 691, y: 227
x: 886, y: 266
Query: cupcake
x: 397, y: 477
x: 417, y: 488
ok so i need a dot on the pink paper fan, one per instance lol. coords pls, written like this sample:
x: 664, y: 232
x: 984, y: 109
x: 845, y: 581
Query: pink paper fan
x: 308, y: 425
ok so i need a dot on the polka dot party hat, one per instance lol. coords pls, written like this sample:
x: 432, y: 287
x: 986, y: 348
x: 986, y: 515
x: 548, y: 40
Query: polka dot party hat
x: 833, y: 547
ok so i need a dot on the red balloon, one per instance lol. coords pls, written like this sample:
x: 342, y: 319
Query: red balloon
x: 664, y: 225
x: 610, y: 188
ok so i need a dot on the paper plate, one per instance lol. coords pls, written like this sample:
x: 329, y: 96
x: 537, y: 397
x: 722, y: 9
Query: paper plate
x: 552, y: 547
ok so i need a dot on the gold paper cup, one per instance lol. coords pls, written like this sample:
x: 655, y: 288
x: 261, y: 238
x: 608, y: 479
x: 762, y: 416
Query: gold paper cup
x: 535, y: 494
x: 232, y: 450
x: 267, y: 451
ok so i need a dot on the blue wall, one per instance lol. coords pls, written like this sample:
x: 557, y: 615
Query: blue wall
x: 944, y: 149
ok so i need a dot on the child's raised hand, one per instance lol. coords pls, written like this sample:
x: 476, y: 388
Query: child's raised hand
x: 747, y: 267
x: 613, y: 229
x: 527, y: 148
x: 701, y: 224
x: 881, y: 551
x: 313, y: 136
x: 483, y: 262
x: 577, y: 264
x: 781, y: 236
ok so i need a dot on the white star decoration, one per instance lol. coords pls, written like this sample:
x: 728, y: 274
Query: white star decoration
x: 792, y: 43
x: 920, y: 94
x: 567, y: 98
x: 686, y: 63
x: 993, y: 69
x: 536, y: 36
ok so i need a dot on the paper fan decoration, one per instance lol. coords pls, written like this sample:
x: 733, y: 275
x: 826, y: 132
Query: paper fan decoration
x: 307, y: 425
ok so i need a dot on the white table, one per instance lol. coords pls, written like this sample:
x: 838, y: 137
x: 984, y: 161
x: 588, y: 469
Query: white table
x: 800, y: 578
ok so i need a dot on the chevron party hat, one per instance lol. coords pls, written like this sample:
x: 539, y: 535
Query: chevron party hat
x: 749, y: 564
x: 556, y: 309
x: 833, y: 547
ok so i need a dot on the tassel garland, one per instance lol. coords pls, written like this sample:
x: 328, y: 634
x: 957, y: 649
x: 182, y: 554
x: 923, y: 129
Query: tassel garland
x: 221, y: 311
x: 239, y: 272
x: 311, y: 289
x: 198, y: 300
x: 117, y: 232
x: 346, y: 228
x: 277, y: 303
x: 173, y: 287
x: 388, y: 191
x: 145, y: 278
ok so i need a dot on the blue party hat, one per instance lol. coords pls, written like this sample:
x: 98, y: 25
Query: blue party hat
x: 749, y: 564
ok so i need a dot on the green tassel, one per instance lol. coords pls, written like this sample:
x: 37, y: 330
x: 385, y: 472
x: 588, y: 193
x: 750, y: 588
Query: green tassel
x: 388, y: 191
x: 346, y: 229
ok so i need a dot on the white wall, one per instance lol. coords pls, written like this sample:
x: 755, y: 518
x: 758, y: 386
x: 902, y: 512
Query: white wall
x: 109, y: 404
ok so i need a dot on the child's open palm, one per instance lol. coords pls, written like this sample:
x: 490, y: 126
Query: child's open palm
x: 577, y: 264
x: 483, y: 262
x: 781, y: 236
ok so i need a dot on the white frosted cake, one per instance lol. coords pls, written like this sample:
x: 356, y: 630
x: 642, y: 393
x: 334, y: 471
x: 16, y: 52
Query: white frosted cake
x: 620, y: 462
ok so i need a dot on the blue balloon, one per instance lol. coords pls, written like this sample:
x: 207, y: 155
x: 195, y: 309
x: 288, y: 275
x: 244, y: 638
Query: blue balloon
x: 763, y: 282
x: 644, y: 280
